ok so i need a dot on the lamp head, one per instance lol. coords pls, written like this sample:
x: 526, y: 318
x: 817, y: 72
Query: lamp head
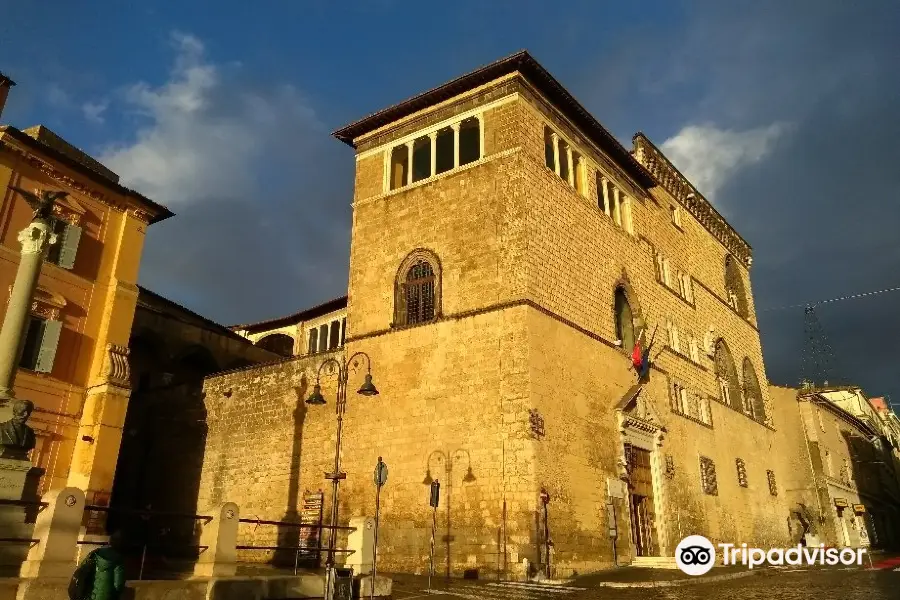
x: 428, y: 480
x: 316, y: 397
x: 368, y: 388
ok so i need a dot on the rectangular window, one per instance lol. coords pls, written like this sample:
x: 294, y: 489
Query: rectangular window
x: 323, y: 338
x: 602, y: 198
x: 666, y: 277
x: 421, y: 159
x: 40, y: 344
x: 684, y: 402
x: 549, y: 154
x: 674, y: 342
x: 334, y: 335
x: 399, y: 166
x: 705, y: 414
x: 708, y: 476
x: 443, y: 145
x: 469, y: 141
x: 64, y: 251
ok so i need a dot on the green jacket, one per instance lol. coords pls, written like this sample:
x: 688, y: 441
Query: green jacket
x: 109, y: 577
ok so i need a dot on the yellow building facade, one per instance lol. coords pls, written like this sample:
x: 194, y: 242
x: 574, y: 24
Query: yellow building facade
x: 75, y: 364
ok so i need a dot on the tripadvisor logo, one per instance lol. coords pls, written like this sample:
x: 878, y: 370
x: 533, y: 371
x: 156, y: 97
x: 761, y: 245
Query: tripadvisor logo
x: 696, y: 555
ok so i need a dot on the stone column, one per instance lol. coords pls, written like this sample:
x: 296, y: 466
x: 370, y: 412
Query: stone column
x: 35, y: 240
x: 432, y: 140
x: 409, y: 154
x: 571, y: 166
x: 219, y: 535
x: 555, y: 140
x: 455, y: 128
x: 604, y: 183
x: 481, y: 134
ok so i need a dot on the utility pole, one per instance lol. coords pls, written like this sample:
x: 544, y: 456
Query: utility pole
x: 36, y: 239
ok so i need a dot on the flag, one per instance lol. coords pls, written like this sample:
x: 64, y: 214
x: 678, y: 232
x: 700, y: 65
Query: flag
x: 641, y: 360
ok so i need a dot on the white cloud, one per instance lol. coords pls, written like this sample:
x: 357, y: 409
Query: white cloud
x: 93, y: 111
x: 709, y: 156
x: 204, y: 132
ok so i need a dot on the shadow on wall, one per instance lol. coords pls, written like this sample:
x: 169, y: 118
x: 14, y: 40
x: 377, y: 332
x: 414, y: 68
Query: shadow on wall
x: 163, y: 442
x: 289, y: 537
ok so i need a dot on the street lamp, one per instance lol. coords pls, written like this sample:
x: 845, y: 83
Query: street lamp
x: 447, y: 460
x: 316, y: 398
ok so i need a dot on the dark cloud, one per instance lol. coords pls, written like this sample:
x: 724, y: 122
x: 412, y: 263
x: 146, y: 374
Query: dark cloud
x: 821, y: 209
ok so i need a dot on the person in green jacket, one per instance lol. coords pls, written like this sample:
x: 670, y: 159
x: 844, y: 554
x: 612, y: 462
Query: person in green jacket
x: 109, y: 570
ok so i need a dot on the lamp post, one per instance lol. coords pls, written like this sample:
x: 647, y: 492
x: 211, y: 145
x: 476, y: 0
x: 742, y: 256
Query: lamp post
x: 36, y: 238
x: 316, y: 398
x: 447, y: 460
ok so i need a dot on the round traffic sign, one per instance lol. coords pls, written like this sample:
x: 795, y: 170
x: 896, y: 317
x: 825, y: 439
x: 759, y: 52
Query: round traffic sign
x: 381, y: 473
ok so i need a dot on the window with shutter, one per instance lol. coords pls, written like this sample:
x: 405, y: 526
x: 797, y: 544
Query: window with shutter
x: 49, y: 341
x: 68, y: 246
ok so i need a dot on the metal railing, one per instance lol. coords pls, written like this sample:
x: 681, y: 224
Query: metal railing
x: 26, y: 503
x: 146, y: 515
x: 299, y: 547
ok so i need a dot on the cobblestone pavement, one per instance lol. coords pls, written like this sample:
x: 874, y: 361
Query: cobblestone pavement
x: 783, y: 584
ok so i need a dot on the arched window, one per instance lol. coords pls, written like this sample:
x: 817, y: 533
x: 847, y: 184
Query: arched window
x: 727, y: 377
x: 279, y: 343
x: 418, y: 289
x: 752, y: 393
x: 624, y: 320
x: 735, y: 293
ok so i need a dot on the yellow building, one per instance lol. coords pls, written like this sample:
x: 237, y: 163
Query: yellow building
x: 506, y: 253
x: 75, y: 365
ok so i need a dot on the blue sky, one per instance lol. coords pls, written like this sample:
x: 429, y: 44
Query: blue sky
x: 783, y: 113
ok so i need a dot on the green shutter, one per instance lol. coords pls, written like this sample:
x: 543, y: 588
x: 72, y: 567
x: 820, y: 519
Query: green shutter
x: 68, y: 246
x: 49, y: 342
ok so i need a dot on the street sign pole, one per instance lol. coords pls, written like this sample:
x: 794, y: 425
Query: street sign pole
x: 381, y: 473
x: 434, y: 500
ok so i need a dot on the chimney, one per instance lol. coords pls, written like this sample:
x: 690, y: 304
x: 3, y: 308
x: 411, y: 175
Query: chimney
x: 5, y: 84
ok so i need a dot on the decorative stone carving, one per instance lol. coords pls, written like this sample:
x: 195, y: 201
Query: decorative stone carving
x: 36, y: 238
x: 116, y: 369
x: 681, y: 189
x: 141, y: 215
x: 670, y: 467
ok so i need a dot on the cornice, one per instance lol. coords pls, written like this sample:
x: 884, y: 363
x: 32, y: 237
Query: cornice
x: 671, y: 179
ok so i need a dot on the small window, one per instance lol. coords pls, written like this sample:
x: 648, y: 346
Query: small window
x: 64, y: 251
x: 705, y: 414
x: 602, y: 197
x: 40, y: 344
x: 313, y: 341
x: 421, y: 159
x: 693, y: 349
x: 666, y: 276
x: 741, y: 472
x: 419, y: 293
x: 549, y: 154
x: 469, y: 141
x: 674, y: 342
x: 399, y: 166
x: 444, y: 150
x: 624, y: 320
x: 708, y: 476
x: 334, y: 338
x: 323, y: 338
x: 563, y: 149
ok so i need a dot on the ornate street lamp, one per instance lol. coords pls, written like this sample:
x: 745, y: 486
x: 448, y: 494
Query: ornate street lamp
x: 317, y: 399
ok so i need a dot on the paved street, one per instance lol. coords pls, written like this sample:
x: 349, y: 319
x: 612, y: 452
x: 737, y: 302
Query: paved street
x: 785, y: 584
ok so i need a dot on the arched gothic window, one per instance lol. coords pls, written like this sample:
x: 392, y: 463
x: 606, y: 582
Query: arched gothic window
x: 735, y: 293
x: 752, y: 393
x: 727, y: 377
x: 624, y: 320
x: 418, y: 289
x: 279, y: 343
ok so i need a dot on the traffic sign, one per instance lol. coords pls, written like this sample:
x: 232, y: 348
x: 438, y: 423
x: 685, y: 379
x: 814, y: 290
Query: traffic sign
x: 381, y: 473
